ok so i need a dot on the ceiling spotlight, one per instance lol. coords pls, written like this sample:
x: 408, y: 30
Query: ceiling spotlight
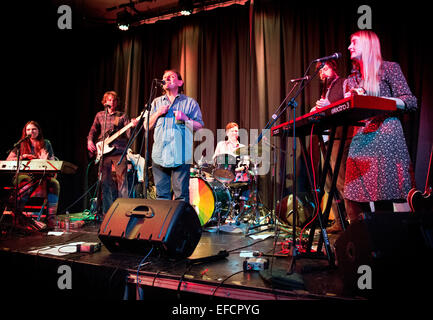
x: 124, y: 19
x: 123, y: 26
x: 186, y: 12
x: 186, y: 7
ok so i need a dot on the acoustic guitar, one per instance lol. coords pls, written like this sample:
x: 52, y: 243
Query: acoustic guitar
x: 423, y: 202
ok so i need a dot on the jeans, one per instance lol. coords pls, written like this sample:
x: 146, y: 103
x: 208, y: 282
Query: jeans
x: 168, y: 178
x: 48, y: 187
x: 111, y: 190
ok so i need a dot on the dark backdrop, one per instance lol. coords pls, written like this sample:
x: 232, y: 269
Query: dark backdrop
x: 236, y: 61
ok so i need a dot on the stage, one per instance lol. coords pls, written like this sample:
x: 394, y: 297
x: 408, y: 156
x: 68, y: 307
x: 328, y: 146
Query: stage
x: 29, y: 266
x: 27, y: 263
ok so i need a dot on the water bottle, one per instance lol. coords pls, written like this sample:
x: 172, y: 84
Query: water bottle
x: 67, y: 222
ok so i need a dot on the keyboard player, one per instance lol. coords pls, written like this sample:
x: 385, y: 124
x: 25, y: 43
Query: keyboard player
x: 379, y: 167
x: 332, y: 91
x: 34, y: 146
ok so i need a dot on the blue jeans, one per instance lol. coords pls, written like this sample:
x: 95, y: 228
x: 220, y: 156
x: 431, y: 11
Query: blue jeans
x: 168, y: 178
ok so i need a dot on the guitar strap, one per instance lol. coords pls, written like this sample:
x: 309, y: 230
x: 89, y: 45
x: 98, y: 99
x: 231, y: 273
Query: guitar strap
x: 116, y: 120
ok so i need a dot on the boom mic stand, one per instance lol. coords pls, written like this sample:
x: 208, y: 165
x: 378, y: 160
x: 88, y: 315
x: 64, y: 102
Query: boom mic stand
x: 133, y: 136
x: 292, y: 103
x: 277, y: 114
x: 97, y: 210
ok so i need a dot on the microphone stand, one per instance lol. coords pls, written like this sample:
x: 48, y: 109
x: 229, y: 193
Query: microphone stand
x: 17, y: 211
x: 98, y: 194
x: 146, y: 147
x: 132, y: 138
x: 292, y: 103
x: 134, y: 135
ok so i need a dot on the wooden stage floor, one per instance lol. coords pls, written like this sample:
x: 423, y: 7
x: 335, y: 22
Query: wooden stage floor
x: 28, y: 264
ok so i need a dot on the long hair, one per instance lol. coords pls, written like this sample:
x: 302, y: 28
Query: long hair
x: 40, y: 141
x: 371, y: 61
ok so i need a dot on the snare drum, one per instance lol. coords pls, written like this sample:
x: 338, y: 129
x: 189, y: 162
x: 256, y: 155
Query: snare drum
x: 225, y: 165
x: 210, y: 198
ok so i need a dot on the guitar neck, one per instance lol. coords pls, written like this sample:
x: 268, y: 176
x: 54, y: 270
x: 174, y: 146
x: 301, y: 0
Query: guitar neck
x: 121, y: 131
x: 118, y: 133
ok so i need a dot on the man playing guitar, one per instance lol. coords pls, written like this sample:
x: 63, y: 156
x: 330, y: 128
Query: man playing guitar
x: 107, y: 122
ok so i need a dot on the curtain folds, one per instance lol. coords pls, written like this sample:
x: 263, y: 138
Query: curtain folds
x: 237, y: 62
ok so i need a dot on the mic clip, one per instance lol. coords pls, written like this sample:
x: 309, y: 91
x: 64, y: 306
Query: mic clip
x: 160, y: 82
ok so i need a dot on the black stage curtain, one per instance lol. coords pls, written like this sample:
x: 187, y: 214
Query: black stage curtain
x: 237, y: 62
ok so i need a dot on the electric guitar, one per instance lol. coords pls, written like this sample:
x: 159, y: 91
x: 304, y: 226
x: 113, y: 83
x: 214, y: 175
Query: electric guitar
x: 423, y: 202
x: 104, y: 146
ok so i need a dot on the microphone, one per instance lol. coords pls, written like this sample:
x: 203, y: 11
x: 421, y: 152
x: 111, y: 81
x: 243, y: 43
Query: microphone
x: 336, y: 55
x: 107, y: 106
x: 162, y: 82
x: 22, y: 140
x: 300, y: 79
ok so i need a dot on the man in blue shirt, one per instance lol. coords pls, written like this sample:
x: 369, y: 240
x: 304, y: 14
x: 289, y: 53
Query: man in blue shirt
x: 174, y: 117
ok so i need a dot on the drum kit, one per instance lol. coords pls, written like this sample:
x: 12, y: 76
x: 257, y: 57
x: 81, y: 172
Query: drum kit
x: 226, y: 190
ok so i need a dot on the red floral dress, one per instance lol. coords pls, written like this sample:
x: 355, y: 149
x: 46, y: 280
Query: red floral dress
x: 378, y: 165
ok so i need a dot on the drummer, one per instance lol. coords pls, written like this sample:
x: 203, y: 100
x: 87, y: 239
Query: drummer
x: 229, y: 146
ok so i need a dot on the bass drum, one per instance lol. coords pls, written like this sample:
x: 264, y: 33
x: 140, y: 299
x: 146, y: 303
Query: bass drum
x: 210, y: 198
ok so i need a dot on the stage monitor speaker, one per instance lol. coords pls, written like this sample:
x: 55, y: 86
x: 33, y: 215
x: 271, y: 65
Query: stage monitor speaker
x: 171, y: 227
x: 396, y: 247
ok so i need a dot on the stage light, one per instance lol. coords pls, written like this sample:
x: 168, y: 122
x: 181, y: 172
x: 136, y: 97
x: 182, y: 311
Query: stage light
x: 186, y: 12
x: 123, y: 20
x: 123, y: 26
x: 186, y: 7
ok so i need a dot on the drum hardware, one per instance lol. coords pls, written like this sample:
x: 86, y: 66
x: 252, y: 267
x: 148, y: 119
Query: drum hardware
x: 250, y: 212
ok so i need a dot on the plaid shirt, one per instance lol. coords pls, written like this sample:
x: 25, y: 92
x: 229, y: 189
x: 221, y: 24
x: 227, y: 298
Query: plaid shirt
x: 115, y: 122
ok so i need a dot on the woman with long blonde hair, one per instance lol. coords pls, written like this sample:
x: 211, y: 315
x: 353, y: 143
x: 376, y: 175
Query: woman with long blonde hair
x: 378, y: 167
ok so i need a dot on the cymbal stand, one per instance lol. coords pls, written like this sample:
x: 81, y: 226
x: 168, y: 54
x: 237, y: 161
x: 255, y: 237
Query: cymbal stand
x: 253, y: 209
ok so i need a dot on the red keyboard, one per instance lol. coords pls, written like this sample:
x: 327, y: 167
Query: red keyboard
x: 345, y: 111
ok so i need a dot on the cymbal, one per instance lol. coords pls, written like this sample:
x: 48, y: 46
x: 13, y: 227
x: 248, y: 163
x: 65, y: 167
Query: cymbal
x: 250, y: 150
